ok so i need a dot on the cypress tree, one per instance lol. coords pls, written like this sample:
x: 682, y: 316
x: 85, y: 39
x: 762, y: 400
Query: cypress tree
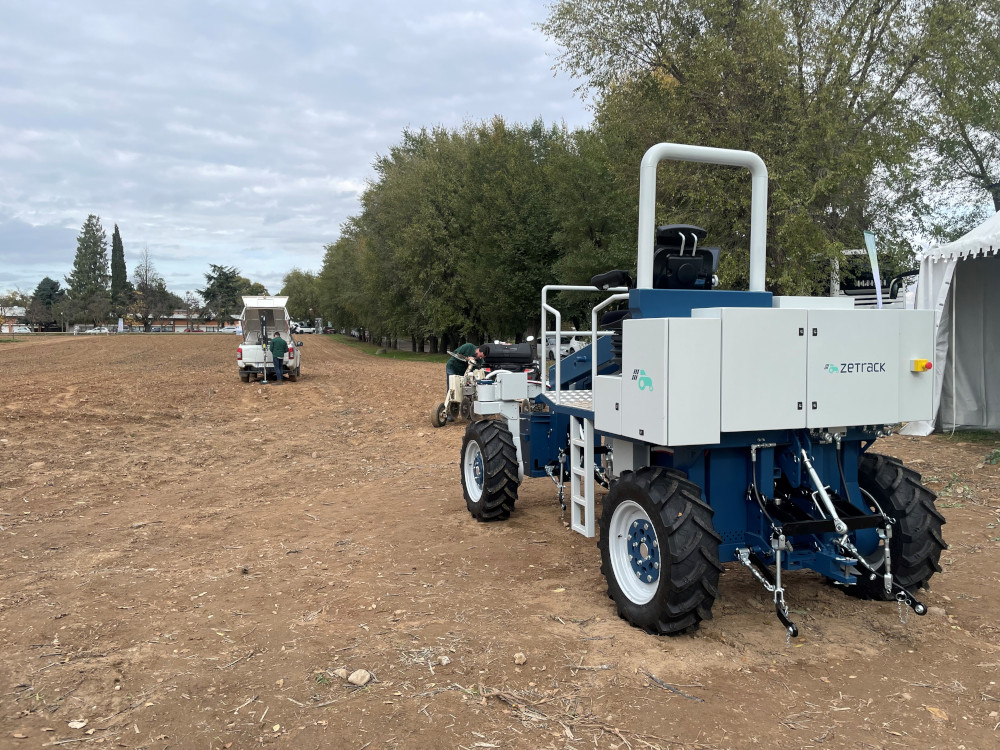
x: 119, y: 275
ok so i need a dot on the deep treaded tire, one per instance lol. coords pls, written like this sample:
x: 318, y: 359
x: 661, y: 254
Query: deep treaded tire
x: 917, y: 543
x: 489, y: 470
x: 659, y: 551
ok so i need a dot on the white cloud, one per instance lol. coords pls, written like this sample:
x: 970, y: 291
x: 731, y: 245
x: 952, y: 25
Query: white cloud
x: 239, y: 133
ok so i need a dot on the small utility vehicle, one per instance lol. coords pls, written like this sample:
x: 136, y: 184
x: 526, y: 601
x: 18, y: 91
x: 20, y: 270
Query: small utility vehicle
x: 261, y: 318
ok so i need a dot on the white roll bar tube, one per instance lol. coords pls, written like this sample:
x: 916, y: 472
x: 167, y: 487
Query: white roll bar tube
x: 703, y: 155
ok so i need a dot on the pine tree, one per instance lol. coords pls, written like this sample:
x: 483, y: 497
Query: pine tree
x: 90, y: 276
x: 119, y: 275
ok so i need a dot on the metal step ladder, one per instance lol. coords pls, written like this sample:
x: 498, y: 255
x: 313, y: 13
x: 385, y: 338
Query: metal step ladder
x: 581, y: 481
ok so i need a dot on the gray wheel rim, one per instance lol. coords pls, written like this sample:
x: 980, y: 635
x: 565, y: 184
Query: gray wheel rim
x: 622, y: 553
x: 472, y: 466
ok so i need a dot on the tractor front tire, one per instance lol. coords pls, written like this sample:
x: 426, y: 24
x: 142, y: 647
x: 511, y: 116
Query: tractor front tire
x: 439, y: 415
x: 916, y: 544
x: 489, y: 470
x: 659, y: 551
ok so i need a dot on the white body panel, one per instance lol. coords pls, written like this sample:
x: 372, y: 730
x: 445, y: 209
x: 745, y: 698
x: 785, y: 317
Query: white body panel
x: 763, y: 382
x: 916, y: 341
x: 853, y: 368
x: 813, y: 303
x: 607, y: 404
x: 686, y: 380
x: 670, y: 380
x: 511, y: 386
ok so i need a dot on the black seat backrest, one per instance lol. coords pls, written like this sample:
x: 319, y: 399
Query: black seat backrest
x: 679, y: 261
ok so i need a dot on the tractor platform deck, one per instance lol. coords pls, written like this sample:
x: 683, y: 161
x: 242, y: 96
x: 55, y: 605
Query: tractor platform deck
x: 577, y: 403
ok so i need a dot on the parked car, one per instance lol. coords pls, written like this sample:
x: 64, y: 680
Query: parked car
x: 19, y: 329
x: 329, y: 329
x: 98, y: 329
x: 229, y: 329
x: 193, y: 330
x: 567, y: 345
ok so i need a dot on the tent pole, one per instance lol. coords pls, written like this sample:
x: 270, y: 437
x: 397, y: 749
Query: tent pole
x: 954, y: 356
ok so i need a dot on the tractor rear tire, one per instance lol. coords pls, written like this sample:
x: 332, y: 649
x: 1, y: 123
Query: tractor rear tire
x: 659, y: 551
x: 489, y: 470
x: 439, y: 415
x: 916, y: 544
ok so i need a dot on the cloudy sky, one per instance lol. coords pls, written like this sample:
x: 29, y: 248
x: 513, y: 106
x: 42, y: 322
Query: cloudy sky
x: 237, y: 132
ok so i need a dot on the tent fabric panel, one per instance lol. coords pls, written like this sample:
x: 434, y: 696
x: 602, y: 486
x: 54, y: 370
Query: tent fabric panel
x: 933, y: 293
x: 970, y: 398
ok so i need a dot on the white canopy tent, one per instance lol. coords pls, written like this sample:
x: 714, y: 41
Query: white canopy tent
x: 960, y: 282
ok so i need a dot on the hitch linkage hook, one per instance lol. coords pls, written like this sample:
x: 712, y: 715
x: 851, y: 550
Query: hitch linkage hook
x: 902, y: 595
x: 771, y: 583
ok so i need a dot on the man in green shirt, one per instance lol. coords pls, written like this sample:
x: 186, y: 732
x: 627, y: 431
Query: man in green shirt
x: 456, y: 366
x: 279, y: 348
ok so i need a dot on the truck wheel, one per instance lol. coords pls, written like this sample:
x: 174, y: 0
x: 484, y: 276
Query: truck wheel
x: 293, y: 375
x: 489, y: 470
x: 245, y: 377
x: 659, y: 551
x: 916, y: 544
x: 439, y: 415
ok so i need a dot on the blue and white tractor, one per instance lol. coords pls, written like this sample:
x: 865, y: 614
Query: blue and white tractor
x: 725, y: 426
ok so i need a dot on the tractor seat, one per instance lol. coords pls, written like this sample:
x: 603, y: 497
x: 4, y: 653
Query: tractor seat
x: 680, y: 261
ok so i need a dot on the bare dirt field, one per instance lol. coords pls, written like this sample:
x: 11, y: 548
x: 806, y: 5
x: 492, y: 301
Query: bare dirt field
x: 188, y: 561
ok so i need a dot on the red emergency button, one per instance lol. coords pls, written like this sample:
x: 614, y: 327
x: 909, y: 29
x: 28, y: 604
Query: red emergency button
x: 920, y: 365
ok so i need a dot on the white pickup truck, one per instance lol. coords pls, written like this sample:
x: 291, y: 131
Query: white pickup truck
x: 261, y: 318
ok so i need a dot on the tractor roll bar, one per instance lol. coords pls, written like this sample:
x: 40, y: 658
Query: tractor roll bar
x: 703, y: 155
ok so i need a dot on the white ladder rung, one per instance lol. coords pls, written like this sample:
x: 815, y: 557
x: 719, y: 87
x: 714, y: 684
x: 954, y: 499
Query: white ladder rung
x: 581, y: 431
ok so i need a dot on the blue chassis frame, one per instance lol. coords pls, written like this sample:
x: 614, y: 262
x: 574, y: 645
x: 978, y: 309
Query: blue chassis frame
x: 723, y: 470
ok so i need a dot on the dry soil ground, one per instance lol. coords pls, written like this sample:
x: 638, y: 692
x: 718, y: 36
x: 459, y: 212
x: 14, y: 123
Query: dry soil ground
x: 187, y: 561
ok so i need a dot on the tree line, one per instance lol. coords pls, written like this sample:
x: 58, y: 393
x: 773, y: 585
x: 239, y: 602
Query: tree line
x: 870, y: 115
x: 98, y: 290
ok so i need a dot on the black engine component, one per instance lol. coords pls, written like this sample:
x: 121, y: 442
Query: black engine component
x: 513, y: 357
x: 679, y: 262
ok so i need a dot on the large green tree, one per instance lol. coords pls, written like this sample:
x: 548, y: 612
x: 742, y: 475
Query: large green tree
x: 48, y: 292
x: 961, y: 87
x: 89, y: 279
x: 43, y: 308
x: 121, y: 290
x: 302, y: 290
x: 221, y: 294
x: 827, y: 93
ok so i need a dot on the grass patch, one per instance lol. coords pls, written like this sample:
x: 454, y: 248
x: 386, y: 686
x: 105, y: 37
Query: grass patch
x: 367, y: 348
x: 985, y: 437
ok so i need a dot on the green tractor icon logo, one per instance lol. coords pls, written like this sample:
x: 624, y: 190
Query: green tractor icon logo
x: 645, y: 382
